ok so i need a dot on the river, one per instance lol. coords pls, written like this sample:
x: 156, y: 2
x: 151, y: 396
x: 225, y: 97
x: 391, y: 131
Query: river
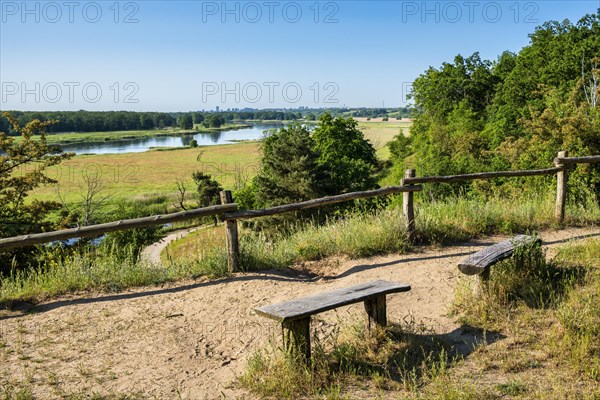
x: 144, y: 144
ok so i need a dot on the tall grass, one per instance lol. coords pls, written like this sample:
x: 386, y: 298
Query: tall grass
x: 550, y: 309
x: 394, y: 358
x: 89, y: 270
x: 546, y: 314
x: 356, y: 235
x: 579, y: 314
x: 462, y: 218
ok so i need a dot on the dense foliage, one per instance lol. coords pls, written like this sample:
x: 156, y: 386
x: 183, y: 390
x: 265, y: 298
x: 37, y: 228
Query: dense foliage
x: 93, y: 121
x: 22, y: 166
x: 110, y: 121
x: 515, y: 112
x: 22, y: 169
x: 208, y: 189
x: 299, y: 165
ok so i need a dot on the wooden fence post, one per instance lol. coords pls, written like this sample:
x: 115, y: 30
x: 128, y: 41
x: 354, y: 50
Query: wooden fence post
x: 409, y: 208
x: 231, y: 228
x: 561, y: 190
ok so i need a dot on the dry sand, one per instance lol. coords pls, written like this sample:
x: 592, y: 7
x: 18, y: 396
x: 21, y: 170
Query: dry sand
x: 192, y: 339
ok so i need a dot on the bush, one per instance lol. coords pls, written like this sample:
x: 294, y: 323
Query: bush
x: 193, y: 143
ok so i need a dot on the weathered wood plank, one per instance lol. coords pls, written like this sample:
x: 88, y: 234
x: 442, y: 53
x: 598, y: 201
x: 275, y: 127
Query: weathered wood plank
x: 408, y: 208
x: 480, y: 175
x: 93, y: 230
x: 320, y: 202
x: 479, y: 262
x: 307, y: 306
x: 376, y: 309
x: 561, y: 190
x: 296, y: 338
x: 231, y: 233
x: 576, y: 160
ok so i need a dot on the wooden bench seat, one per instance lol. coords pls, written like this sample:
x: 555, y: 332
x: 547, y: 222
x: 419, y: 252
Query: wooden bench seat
x: 479, y: 263
x: 295, y: 315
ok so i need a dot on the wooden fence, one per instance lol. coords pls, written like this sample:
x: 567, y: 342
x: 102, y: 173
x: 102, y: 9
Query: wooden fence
x: 230, y: 214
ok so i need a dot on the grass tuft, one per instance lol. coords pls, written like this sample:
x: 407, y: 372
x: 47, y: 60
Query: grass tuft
x: 395, y: 358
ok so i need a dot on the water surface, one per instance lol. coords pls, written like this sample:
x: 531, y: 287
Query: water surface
x: 144, y: 144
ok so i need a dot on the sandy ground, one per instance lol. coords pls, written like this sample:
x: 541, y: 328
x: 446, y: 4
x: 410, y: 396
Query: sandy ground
x: 192, y: 339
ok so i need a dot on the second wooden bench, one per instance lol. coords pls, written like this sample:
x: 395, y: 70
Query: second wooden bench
x: 479, y: 263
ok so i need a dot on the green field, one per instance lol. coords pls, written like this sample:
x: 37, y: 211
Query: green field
x: 380, y: 133
x: 137, y: 176
x: 153, y: 174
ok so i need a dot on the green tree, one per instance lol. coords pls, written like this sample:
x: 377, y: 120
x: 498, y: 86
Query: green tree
x: 400, y: 147
x: 23, y: 165
x: 208, y: 190
x: 213, y: 121
x: 347, y: 158
x: 290, y: 170
x: 298, y: 165
x: 186, y: 121
x: 515, y: 112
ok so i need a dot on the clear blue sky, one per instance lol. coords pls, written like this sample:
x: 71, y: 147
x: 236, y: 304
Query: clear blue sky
x: 194, y: 55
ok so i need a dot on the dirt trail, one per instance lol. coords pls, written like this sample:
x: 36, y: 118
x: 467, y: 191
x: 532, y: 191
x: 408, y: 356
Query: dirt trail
x: 192, y: 339
x: 152, y: 253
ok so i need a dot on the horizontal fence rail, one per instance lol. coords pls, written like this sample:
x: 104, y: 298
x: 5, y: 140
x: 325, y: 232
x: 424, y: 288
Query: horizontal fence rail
x: 230, y: 214
x: 577, y: 160
x: 481, y: 175
x: 320, y: 202
x: 94, y: 230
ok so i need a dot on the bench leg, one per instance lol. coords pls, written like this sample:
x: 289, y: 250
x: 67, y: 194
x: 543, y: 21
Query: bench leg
x: 376, y: 312
x: 296, y: 338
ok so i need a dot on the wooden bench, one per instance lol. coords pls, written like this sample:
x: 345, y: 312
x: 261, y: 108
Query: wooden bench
x: 295, y: 315
x: 479, y: 263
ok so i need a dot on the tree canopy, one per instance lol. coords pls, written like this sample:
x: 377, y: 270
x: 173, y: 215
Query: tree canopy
x: 22, y: 169
x: 515, y: 112
x: 299, y: 165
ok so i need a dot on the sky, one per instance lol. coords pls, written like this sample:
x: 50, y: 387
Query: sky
x: 170, y: 55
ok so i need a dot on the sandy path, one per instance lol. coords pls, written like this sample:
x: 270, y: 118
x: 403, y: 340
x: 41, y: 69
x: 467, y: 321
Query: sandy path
x: 152, y: 253
x: 191, y: 340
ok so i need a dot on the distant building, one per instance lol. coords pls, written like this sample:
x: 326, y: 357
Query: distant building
x: 217, y: 109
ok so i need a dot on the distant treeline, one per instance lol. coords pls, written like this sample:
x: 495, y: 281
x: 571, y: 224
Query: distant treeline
x: 107, y: 121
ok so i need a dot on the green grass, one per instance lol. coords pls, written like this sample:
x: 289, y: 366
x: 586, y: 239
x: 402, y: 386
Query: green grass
x: 151, y: 177
x: 364, y: 235
x: 546, y: 349
x: 397, y: 358
x: 579, y: 314
x: 548, y: 309
x: 90, y: 271
x: 190, y: 246
x: 381, y: 133
x: 356, y: 236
